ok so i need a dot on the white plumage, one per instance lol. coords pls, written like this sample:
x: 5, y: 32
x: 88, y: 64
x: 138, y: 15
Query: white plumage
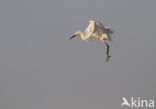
x: 98, y: 31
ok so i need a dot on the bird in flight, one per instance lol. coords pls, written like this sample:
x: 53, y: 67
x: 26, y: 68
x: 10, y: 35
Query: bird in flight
x: 98, y: 31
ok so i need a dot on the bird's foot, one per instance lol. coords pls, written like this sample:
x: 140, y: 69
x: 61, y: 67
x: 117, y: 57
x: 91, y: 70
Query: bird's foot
x: 107, y: 57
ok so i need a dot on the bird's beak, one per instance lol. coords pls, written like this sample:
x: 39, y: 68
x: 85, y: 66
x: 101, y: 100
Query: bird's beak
x: 72, y: 37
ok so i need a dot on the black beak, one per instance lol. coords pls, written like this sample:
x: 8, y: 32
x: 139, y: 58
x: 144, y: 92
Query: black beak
x: 72, y: 37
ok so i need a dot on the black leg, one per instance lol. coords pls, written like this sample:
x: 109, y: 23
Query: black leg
x: 107, y: 48
x: 108, y: 56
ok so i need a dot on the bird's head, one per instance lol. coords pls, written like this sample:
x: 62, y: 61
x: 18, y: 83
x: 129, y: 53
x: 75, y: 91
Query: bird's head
x: 76, y: 34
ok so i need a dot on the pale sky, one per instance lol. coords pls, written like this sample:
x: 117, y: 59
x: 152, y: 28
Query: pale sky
x: 41, y: 69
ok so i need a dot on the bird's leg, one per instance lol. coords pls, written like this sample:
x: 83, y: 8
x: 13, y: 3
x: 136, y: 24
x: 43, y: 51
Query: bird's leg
x: 107, y: 56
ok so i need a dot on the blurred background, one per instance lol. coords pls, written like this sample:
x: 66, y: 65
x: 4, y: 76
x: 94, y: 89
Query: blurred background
x: 41, y: 69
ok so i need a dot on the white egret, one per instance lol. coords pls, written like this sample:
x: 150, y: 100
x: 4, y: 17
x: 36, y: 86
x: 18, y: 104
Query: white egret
x: 98, y: 31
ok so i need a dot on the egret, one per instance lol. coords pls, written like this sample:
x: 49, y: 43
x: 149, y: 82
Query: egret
x: 98, y: 31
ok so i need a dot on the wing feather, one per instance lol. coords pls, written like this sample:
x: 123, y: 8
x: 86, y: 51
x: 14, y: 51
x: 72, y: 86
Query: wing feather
x: 96, y: 30
x: 100, y: 29
x: 90, y: 29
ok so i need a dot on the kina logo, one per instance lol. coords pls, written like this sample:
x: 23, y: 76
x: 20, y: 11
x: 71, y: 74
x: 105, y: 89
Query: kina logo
x: 137, y: 102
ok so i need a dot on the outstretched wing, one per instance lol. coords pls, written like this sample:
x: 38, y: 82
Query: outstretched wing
x: 90, y: 29
x: 100, y: 29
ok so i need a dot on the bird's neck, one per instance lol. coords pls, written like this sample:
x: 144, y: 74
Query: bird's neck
x: 82, y: 36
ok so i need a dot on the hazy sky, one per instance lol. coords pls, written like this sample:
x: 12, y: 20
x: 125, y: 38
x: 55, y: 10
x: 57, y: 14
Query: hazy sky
x: 41, y: 69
